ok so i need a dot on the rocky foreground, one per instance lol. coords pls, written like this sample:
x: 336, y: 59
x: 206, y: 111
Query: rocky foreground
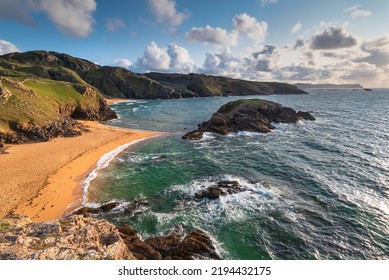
x: 254, y: 115
x: 83, y: 237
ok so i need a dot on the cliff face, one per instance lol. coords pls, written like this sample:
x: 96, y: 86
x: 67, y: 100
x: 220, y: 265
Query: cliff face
x: 83, y: 237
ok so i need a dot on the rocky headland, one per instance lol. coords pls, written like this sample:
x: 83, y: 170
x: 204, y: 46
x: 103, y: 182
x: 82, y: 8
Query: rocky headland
x: 254, y: 115
x: 84, y: 237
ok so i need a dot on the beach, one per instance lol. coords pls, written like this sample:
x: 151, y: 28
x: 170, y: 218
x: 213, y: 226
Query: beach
x: 40, y: 180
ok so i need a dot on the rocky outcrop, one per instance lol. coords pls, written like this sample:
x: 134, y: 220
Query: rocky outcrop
x: 253, y: 115
x: 66, y: 127
x: 84, y: 237
x: 221, y: 188
x: 73, y: 238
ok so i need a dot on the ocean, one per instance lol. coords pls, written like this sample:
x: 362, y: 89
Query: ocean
x: 313, y: 190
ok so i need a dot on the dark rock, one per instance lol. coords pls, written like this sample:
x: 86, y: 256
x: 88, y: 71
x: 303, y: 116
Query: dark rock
x: 222, y: 188
x: 194, y: 135
x: 165, y: 245
x: 128, y: 231
x: 96, y: 210
x: 253, y: 115
x: 196, y: 245
x: 109, y: 206
x: 306, y: 116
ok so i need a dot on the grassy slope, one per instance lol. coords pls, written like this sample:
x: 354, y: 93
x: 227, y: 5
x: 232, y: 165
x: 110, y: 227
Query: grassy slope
x: 48, y: 100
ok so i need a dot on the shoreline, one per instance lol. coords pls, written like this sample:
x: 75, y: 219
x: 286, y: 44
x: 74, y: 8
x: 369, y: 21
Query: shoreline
x: 44, y: 181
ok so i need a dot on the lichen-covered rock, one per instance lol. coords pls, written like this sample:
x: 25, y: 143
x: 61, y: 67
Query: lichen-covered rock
x: 84, y: 237
x: 75, y: 237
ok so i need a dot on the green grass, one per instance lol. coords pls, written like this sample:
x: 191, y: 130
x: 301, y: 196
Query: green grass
x: 42, y: 106
x: 4, y: 226
x: 231, y: 105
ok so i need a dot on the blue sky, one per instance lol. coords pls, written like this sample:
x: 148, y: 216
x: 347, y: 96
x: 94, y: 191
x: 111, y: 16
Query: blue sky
x: 339, y: 41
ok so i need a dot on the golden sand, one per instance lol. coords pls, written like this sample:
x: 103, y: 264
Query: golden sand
x: 40, y: 180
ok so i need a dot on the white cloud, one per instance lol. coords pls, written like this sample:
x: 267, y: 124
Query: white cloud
x: 265, y: 2
x: 244, y: 26
x: 114, y: 24
x: 166, y: 13
x: 73, y: 17
x: 7, y: 47
x: 180, y: 60
x: 123, y: 62
x: 378, y: 52
x: 355, y: 11
x: 154, y: 59
x: 334, y: 38
x: 208, y: 34
x: 174, y: 58
x: 296, y: 28
x: 250, y: 26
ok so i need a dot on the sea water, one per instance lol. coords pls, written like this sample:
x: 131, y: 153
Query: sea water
x: 314, y: 190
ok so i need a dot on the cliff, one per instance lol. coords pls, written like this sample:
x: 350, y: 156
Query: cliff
x: 83, y: 237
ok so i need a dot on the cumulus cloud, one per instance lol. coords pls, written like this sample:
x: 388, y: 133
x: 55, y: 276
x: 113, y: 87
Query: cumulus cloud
x: 123, y: 62
x: 303, y: 73
x: 114, y: 24
x: 174, y: 58
x: 378, y: 52
x: 247, y: 25
x: 259, y: 65
x: 212, y: 35
x: 73, y: 17
x: 166, y: 13
x: 296, y: 28
x: 7, y: 47
x: 243, y: 26
x: 300, y: 43
x: 265, y: 2
x: 180, y: 60
x: 355, y: 11
x: 334, y: 38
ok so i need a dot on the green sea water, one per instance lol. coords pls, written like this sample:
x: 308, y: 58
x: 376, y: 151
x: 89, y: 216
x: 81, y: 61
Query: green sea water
x: 314, y: 190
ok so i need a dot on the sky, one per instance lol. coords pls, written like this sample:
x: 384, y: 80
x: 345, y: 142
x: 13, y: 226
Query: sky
x: 332, y: 41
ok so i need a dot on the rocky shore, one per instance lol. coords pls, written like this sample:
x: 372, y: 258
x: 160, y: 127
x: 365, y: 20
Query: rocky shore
x: 254, y: 115
x: 83, y: 237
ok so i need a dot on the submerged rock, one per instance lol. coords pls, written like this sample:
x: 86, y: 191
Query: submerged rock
x: 253, y: 115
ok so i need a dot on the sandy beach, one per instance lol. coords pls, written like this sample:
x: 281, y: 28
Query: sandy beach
x: 40, y: 180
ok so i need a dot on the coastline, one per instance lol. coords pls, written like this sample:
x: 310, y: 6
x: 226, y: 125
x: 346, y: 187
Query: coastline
x: 42, y: 180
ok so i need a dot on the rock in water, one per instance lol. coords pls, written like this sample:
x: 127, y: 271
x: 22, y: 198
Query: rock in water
x: 253, y: 115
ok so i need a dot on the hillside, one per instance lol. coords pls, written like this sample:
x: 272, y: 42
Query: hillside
x: 41, y: 102
x: 116, y: 82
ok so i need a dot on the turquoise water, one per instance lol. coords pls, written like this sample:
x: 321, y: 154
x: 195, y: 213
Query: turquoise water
x: 315, y: 190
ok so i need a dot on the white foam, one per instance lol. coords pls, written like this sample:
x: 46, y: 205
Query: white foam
x: 103, y: 163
